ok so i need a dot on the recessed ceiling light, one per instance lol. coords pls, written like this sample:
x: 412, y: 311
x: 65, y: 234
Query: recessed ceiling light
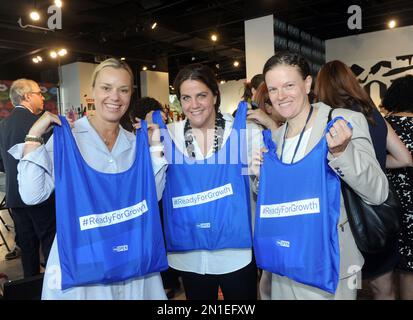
x: 392, y: 24
x: 144, y: 68
x: 122, y: 59
x: 154, y: 25
x: 34, y: 15
x: 62, y: 52
x: 214, y: 37
x: 236, y: 63
x: 58, y: 3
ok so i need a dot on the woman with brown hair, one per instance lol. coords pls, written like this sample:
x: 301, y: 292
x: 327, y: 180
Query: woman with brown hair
x: 308, y: 247
x: 337, y: 86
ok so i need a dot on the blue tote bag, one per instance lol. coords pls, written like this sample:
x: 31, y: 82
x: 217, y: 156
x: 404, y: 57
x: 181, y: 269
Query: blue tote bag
x: 297, y: 213
x: 108, y: 224
x: 206, y: 203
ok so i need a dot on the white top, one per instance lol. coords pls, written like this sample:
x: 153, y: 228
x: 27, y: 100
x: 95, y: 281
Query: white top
x: 36, y: 183
x: 216, y: 261
x: 290, y: 145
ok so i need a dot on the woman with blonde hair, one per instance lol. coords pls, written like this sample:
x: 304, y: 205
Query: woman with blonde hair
x: 109, y: 242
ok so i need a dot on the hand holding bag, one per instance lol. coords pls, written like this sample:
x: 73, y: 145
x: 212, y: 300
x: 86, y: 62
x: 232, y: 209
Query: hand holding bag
x: 371, y: 225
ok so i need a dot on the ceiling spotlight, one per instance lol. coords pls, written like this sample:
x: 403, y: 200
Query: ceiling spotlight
x: 144, y: 68
x: 58, y: 3
x: 34, y: 15
x: 39, y: 58
x: 62, y: 52
x: 217, y: 66
x: 154, y: 25
x: 193, y: 59
x: 236, y: 63
x: 53, y: 54
x: 222, y: 81
x: 214, y: 37
x: 153, y: 66
x: 122, y: 59
x: 392, y: 24
x: 35, y: 60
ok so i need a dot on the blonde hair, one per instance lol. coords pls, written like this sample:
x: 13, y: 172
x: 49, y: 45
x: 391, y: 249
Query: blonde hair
x: 112, y: 63
x: 19, y: 88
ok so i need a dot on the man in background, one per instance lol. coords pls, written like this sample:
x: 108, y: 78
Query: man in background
x: 35, y: 226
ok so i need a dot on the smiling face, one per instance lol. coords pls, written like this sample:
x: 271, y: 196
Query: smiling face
x: 198, y: 104
x: 112, y: 93
x: 287, y: 90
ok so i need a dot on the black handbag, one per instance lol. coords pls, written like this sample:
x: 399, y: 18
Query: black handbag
x: 372, y: 226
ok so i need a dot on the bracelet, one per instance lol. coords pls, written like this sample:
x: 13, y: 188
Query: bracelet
x: 156, y: 148
x: 29, y: 142
x: 33, y: 138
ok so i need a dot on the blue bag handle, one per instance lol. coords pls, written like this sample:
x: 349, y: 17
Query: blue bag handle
x: 157, y: 118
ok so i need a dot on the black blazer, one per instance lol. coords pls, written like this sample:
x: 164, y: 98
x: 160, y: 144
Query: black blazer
x: 13, y: 130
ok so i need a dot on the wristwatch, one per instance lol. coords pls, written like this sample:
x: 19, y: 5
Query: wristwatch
x: 34, y: 139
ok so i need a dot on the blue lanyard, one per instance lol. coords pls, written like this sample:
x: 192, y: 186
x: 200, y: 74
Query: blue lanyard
x: 299, y: 139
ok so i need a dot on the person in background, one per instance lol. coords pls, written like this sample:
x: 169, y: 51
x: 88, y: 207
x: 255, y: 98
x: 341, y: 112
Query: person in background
x: 265, y: 114
x: 35, y: 225
x: 250, y: 90
x: 208, y: 242
x: 337, y: 86
x: 350, y: 155
x: 105, y: 175
x: 398, y: 100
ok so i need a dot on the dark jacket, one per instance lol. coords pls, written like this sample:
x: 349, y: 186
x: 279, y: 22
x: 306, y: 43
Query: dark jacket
x: 13, y: 130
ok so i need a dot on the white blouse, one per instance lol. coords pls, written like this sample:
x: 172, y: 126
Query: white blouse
x: 36, y: 183
x: 216, y: 261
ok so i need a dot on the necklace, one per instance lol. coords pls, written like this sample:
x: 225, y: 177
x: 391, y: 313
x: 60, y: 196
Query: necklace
x: 106, y: 141
x: 218, y: 135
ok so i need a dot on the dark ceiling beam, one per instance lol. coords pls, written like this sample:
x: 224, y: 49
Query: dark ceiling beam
x: 18, y: 57
x: 36, y: 41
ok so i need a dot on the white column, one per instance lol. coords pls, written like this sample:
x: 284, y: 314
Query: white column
x: 76, y: 86
x: 259, y: 43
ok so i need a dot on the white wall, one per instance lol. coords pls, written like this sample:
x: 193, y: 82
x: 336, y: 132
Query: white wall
x: 372, y: 45
x: 155, y: 84
x: 259, y: 43
x: 368, y: 50
x: 75, y: 81
x: 231, y: 93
